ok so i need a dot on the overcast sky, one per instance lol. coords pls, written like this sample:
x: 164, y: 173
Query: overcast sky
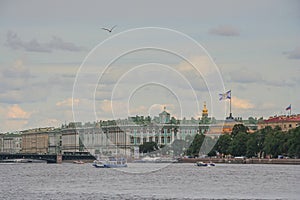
x: 201, y: 49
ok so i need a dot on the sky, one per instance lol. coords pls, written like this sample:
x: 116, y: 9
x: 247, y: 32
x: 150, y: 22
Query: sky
x: 58, y: 65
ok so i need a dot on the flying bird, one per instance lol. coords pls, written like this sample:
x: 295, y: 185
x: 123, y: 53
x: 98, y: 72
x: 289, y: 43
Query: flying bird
x: 109, y: 30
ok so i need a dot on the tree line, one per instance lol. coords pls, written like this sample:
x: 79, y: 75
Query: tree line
x: 266, y: 142
x: 262, y: 143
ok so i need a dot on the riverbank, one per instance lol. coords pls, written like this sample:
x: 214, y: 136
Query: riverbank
x: 241, y: 161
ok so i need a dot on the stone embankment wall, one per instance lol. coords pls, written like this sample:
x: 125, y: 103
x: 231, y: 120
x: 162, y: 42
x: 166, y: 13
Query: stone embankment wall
x: 241, y: 161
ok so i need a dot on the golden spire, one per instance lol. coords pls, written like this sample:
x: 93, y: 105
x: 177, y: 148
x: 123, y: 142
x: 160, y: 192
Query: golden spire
x: 204, y: 111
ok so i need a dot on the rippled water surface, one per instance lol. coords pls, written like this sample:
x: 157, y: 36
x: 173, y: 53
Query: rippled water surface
x: 149, y: 181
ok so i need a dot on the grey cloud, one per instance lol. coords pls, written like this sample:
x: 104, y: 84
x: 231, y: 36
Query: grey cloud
x: 15, y: 77
x: 281, y: 83
x: 24, y: 95
x: 225, y: 31
x: 295, y: 54
x: 18, y: 85
x: 245, y: 76
x: 59, y: 44
x: 13, y: 41
x: 16, y: 73
x: 35, y: 46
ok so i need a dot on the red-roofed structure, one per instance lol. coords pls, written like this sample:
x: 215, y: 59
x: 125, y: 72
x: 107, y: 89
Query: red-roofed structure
x: 284, y: 122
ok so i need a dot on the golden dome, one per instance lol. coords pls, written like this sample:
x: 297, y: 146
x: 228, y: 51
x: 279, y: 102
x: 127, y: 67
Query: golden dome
x: 204, y: 111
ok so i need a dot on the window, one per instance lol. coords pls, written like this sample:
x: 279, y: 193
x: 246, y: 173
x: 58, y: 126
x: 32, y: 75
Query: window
x: 131, y: 140
x: 162, y: 139
x: 168, y: 139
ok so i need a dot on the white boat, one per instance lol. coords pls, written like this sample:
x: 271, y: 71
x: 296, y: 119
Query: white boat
x: 148, y: 159
x: 110, y: 162
x: 22, y: 160
x: 203, y: 164
x: 78, y: 162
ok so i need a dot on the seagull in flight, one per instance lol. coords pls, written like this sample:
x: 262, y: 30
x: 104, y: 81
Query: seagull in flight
x: 109, y: 30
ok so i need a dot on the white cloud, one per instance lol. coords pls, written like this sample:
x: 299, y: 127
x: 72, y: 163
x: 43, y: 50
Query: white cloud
x: 16, y: 112
x: 13, y: 118
x: 203, y: 64
x: 241, y: 103
x: 67, y: 102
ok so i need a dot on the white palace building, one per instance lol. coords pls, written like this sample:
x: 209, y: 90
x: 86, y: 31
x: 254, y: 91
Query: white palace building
x: 113, y: 136
x: 121, y: 136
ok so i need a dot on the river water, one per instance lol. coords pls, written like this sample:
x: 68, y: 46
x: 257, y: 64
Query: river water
x: 149, y: 181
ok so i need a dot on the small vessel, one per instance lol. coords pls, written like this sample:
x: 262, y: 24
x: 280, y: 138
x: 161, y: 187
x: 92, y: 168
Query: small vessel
x: 203, y: 164
x: 110, y: 162
x: 22, y: 160
x: 148, y: 159
x: 78, y: 162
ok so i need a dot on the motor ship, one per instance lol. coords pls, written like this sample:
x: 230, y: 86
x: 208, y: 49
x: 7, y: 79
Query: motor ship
x: 148, y: 159
x: 203, y: 164
x: 110, y: 162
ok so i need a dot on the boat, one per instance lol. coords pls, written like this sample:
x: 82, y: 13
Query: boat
x: 148, y: 159
x: 22, y: 160
x: 110, y: 162
x: 203, y: 164
x: 78, y: 162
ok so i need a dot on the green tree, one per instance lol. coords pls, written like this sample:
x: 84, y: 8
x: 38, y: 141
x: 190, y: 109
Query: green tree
x: 293, y: 142
x: 223, y: 144
x: 238, y: 144
x: 252, y: 146
x: 148, y: 147
x: 208, y: 146
x: 275, y: 143
x: 260, y: 138
x: 196, y: 145
x: 239, y: 128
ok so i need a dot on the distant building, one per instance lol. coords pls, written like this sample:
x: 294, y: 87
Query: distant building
x: 215, y: 127
x: 70, y: 140
x: 84, y: 138
x: 10, y: 143
x: 55, y: 141
x: 284, y: 122
x: 229, y: 124
x: 116, y: 136
x: 164, y: 117
x: 36, y: 141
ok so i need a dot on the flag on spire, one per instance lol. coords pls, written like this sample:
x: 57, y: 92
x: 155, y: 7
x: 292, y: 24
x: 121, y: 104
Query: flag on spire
x: 289, y: 107
x: 226, y: 95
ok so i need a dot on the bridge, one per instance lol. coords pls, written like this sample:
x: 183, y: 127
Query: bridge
x: 50, y: 158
